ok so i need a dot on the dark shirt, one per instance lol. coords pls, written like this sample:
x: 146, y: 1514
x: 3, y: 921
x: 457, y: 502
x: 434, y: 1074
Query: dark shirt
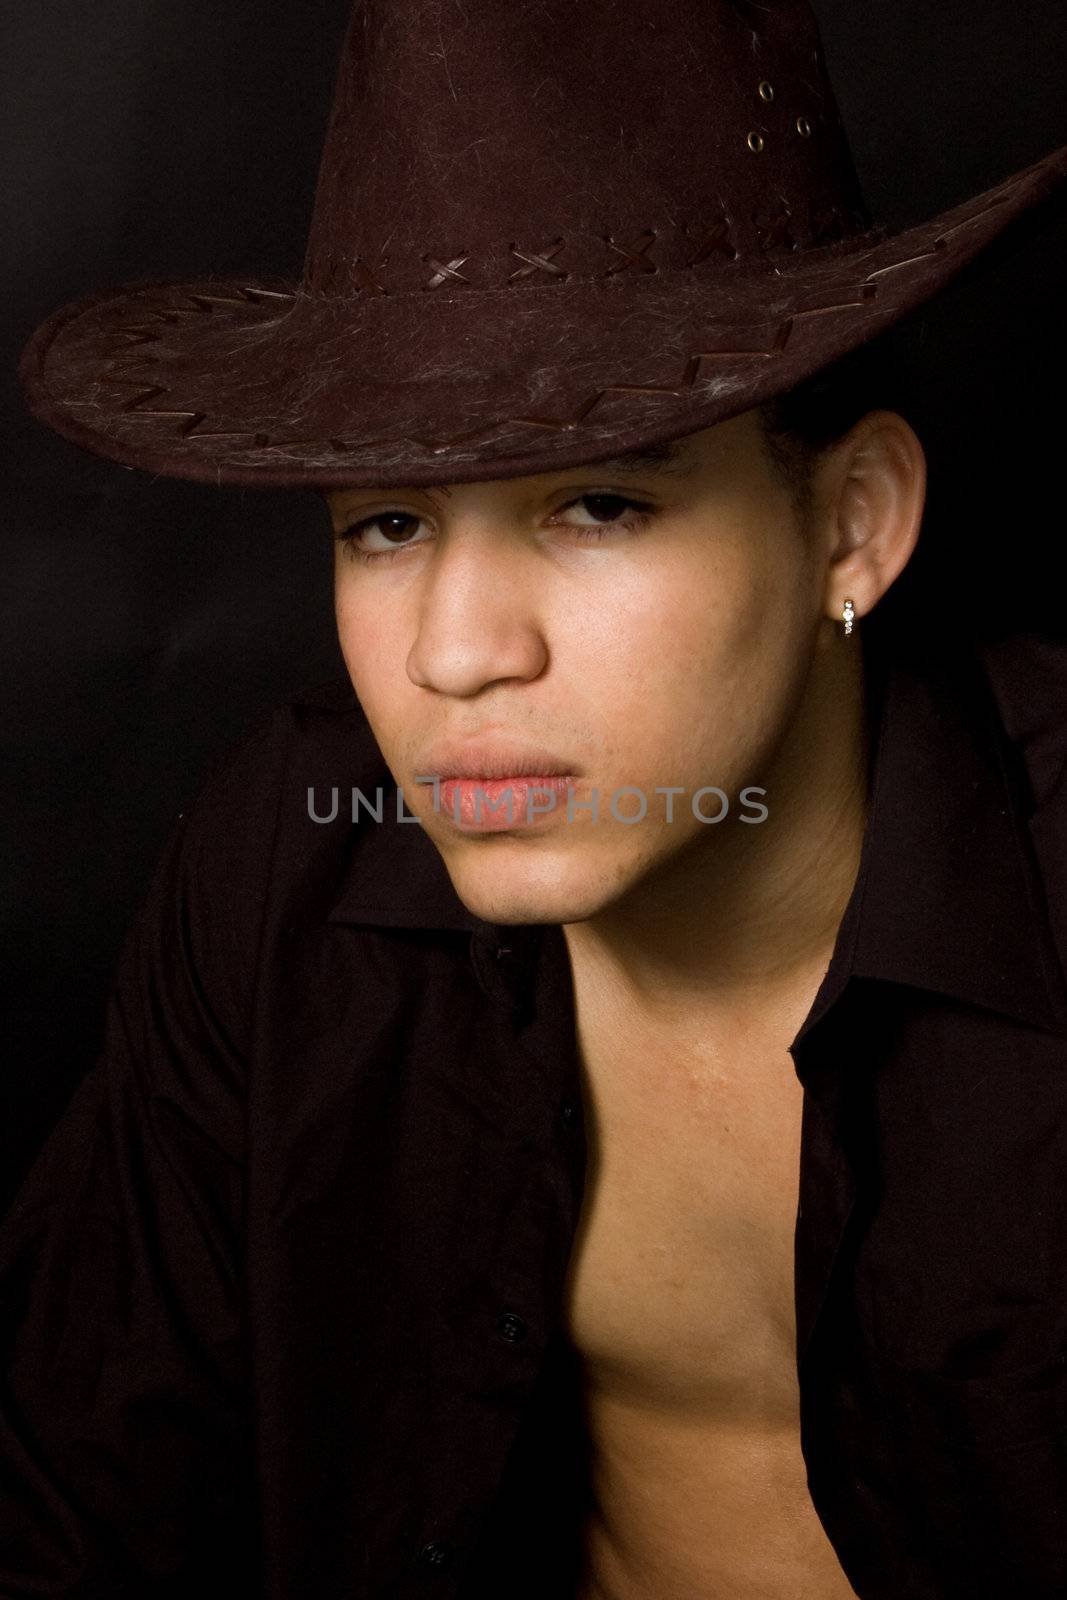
x: 281, y: 1296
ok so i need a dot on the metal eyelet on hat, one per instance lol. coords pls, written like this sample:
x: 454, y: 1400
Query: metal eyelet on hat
x: 766, y: 90
x: 803, y: 127
x: 755, y: 142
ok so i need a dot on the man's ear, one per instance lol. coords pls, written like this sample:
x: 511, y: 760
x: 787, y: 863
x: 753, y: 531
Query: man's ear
x: 870, y: 493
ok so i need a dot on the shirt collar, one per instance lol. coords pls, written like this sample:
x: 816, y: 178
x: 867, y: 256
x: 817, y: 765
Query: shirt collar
x: 947, y: 896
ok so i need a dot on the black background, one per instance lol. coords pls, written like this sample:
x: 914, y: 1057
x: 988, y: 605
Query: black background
x: 146, y: 622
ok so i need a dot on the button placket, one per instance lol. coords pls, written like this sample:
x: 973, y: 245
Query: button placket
x: 503, y: 969
x: 511, y: 1327
x: 435, y: 1554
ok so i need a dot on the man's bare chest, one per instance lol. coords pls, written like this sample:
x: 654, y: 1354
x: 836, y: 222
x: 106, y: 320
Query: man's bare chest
x: 679, y: 1301
x: 680, y: 1288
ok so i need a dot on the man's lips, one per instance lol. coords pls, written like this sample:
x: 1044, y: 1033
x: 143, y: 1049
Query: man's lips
x: 494, y: 782
x: 516, y: 800
x: 492, y: 760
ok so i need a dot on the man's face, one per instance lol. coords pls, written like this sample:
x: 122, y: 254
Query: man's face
x: 649, y: 628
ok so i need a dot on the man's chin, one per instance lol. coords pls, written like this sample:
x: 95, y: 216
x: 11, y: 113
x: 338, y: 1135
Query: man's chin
x: 511, y: 894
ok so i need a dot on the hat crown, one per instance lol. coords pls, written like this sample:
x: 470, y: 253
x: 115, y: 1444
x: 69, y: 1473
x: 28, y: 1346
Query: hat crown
x: 478, y: 144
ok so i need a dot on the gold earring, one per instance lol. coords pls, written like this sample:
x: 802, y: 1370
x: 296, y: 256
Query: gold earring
x: 848, y: 612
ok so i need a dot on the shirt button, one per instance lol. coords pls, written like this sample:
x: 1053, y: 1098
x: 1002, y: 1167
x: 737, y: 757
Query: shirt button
x: 568, y: 1113
x: 511, y: 1327
x: 434, y: 1554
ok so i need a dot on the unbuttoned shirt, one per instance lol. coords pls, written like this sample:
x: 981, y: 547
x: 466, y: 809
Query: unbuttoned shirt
x: 281, y: 1295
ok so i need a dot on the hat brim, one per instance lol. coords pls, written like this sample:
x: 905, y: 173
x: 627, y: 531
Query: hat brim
x: 253, y: 382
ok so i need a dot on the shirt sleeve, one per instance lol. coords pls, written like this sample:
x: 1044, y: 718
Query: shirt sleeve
x: 125, y: 1450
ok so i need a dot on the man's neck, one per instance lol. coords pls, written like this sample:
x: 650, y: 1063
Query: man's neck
x: 740, y: 919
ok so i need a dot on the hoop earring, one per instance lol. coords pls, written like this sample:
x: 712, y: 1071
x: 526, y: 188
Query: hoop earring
x: 848, y: 612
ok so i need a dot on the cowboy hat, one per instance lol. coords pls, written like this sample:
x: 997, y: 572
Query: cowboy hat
x: 542, y: 233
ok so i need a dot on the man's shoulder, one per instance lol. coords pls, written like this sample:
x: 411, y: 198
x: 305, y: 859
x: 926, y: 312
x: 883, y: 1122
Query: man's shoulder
x: 318, y: 731
x: 247, y: 836
x: 1027, y: 673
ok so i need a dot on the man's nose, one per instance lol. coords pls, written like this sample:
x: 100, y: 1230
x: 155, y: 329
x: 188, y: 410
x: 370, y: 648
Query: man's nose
x: 478, y: 620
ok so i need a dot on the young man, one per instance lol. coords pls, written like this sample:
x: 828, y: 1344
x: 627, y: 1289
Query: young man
x: 692, y: 646
x: 652, y: 1191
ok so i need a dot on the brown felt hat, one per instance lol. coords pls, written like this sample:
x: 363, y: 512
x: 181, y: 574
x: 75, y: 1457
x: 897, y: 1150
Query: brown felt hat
x: 543, y: 233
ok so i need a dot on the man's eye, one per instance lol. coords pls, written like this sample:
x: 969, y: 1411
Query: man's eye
x: 604, y: 507
x: 394, y: 527
x: 607, y: 512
